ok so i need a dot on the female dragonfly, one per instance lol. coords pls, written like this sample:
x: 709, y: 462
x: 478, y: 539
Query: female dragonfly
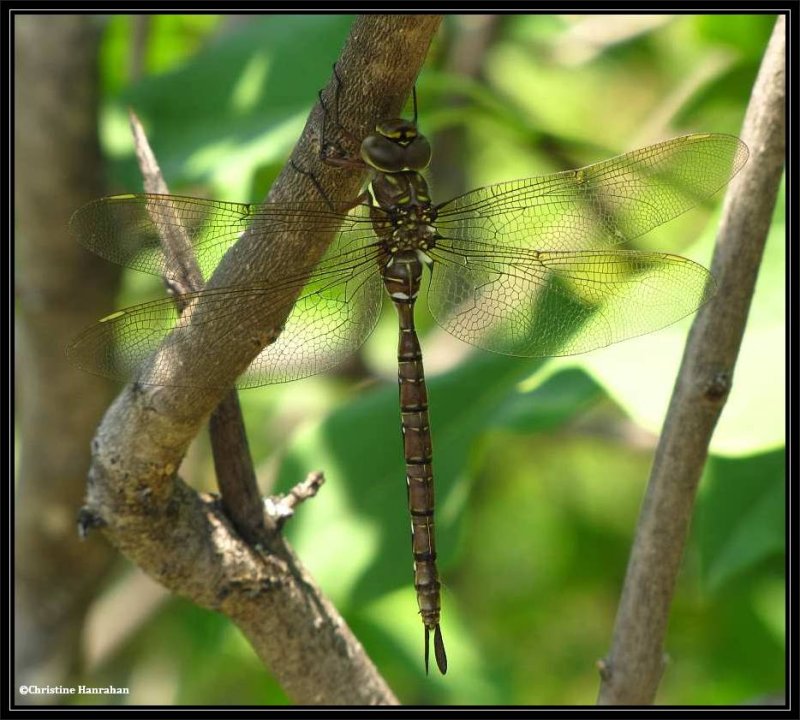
x: 528, y: 268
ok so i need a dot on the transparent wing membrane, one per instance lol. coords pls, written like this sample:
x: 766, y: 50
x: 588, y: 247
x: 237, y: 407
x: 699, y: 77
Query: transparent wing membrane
x: 562, y: 303
x: 128, y: 229
x: 600, y: 205
x: 337, y: 307
x: 523, y: 268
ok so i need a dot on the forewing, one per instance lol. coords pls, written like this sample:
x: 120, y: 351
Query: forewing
x: 130, y: 229
x: 597, y: 206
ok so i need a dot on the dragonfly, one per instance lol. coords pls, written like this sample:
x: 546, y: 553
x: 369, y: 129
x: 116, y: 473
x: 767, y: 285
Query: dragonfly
x: 529, y: 268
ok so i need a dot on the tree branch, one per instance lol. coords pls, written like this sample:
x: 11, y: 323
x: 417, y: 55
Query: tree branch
x: 631, y: 673
x: 182, y: 539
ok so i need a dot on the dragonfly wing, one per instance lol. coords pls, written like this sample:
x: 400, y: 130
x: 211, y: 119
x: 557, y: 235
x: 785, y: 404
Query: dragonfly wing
x: 333, y: 317
x: 129, y: 229
x: 597, y: 206
x: 538, y: 304
x: 336, y: 309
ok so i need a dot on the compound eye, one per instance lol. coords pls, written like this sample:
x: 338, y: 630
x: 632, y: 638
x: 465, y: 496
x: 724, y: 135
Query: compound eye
x: 383, y: 154
x: 418, y: 153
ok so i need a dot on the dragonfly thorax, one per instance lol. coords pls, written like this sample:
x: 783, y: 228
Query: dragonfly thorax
x: 404, y: 217
x: 411, y: 232
x: 402, y: 190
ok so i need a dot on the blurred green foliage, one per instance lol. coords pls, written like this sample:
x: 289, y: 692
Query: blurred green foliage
x: 540, y: 466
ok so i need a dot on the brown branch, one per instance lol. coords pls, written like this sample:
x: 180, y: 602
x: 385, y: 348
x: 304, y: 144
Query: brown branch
x: 60, y: 289
x: 175, y: 241
x: 182, y: 539
x: 632, y: 671
x: 232, y: 461
x: 281, y: 507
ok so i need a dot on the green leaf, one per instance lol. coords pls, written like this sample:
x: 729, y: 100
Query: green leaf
x: 237, y: 105
x: 740, y: 517
x: 559, y: 398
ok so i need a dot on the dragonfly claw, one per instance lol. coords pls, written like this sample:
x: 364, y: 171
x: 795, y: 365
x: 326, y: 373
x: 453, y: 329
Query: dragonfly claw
x: 438, y: 649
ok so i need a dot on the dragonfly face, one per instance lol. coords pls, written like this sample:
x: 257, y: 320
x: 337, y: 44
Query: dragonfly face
x: 528, y: 267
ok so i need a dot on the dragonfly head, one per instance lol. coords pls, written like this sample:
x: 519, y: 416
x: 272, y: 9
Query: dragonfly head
x: 395, y: 146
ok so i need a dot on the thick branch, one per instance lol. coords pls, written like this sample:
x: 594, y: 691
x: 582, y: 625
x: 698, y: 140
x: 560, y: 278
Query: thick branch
x: 183, y: 540
x: 632, y: 671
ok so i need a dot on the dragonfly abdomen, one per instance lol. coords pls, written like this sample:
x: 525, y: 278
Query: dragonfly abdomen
x: 402, y: 277
x: 417, y: 446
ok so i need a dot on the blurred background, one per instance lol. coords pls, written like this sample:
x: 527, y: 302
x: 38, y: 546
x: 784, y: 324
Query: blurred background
x: 540, y: 465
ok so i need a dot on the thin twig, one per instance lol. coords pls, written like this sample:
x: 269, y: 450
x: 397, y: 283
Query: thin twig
x: 632, y: 671
x: 233, y: 463
x: 281, y: 507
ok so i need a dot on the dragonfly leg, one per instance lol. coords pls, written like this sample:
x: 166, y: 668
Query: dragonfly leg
x: 341, y: 207
x: 331, y: 151
x: 310, y: 175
